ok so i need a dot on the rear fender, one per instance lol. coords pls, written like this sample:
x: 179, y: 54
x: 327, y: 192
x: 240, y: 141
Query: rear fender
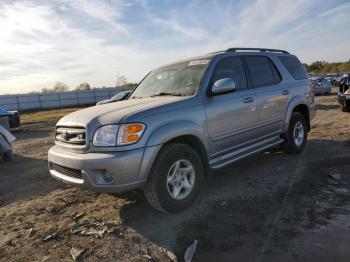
x: 294, y: 102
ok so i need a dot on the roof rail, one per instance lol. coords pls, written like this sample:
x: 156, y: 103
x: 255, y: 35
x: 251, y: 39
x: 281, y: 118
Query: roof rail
x: 234, y: 49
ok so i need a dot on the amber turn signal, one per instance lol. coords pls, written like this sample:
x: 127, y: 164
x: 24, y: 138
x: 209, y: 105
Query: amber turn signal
x: 130, y: 133
x: 132, y: 128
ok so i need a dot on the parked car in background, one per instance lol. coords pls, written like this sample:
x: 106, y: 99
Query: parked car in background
x: 329, y: 79
x: 322, y: 86
x: 117, y: 97
x: 6, y: 138
x: 344, y: 93
x: 184, y: 119
x: 13, y: 116
x: 344, y: 100
x: 336, y: 79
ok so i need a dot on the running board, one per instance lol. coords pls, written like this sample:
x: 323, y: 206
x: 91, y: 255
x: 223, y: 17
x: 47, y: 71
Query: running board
x: 229, y: 158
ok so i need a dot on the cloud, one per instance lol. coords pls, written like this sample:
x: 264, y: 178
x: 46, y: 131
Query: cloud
x: 342, y: 9
x: 101, y: 10
x: 75, y: 41
x: 193, y: 32
x: 39, y: 47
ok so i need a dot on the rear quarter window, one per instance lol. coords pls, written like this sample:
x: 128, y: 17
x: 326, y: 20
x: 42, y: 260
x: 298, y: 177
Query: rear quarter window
x: 294, y: 67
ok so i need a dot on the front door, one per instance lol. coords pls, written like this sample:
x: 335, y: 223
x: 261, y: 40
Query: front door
x: 231, y: 117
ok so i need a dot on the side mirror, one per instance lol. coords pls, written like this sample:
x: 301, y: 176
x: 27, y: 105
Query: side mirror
x: 122, y: 96
x: 125, y: 96
x: 224, y: 85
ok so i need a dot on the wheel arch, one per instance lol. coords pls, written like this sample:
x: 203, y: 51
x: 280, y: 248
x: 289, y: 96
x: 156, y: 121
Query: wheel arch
x: 184, y: 132
x: 304, y: 110
x: 297, y: 105
x: 195, y: 143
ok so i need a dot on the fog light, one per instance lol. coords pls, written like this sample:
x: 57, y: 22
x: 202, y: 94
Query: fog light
x: 102, y: 176
x: 107, y: 177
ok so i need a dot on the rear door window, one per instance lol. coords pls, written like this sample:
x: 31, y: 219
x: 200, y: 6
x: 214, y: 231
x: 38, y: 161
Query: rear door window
x: 294, y: 67
x: 231, y: 67
x: 262, y: 71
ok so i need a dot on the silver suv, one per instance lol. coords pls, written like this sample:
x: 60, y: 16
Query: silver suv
x: 183, y: 120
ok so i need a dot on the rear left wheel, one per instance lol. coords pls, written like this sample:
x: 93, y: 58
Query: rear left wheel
x: 296, y: 136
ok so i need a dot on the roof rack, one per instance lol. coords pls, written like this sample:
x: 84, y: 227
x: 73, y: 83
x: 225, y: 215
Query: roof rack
x: 235, y: 49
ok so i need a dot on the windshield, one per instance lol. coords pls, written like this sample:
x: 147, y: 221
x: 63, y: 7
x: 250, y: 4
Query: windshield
x: 180, y: 79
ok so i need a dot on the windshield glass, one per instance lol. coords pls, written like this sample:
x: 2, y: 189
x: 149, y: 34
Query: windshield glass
x: 181, y: 79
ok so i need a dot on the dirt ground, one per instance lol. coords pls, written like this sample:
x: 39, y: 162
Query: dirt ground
x: 268, y: 207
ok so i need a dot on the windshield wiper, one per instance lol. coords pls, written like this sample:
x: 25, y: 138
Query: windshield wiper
x: 168, y: 94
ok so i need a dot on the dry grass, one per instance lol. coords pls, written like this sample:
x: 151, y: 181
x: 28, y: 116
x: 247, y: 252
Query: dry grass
x: 46, y: 115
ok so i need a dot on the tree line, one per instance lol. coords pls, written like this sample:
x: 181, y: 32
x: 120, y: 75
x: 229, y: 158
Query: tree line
x: 121, y: 83
x: 323, y: 67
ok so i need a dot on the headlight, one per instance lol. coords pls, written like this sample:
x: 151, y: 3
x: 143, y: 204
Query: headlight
x: 106, y: 136
x: 130, y: 133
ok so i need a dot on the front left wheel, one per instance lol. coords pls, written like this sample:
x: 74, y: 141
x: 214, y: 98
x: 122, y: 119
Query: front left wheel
x: 175, y: 178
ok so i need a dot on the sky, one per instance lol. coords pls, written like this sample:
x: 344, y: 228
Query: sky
x: 75, y: 41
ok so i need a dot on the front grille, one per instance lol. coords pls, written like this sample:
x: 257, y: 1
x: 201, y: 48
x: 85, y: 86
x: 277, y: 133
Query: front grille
x: 76, y: 173
x: 71, y: 135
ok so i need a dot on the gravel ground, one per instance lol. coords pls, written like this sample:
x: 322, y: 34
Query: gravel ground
x: 268, y: 207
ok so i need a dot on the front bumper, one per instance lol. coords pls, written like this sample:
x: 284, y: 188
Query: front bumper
x: 111, y: 172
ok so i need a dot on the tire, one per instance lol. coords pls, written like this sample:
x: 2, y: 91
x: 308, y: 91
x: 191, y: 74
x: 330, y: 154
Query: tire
x: 8, y: 156
x: 293, y: 145
x: 344, y: 108
x: 160, y: 192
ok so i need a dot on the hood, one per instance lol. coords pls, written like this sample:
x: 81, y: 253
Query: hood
x: 112, y: 113
x: 105, y: 101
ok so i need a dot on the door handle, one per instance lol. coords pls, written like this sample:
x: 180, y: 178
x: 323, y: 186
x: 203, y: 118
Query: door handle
x: 248, y: 100
x: 285, y: 92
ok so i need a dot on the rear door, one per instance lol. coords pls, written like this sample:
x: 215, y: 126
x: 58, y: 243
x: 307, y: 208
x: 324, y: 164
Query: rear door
x: 231, y: 117
x: 272, y: 99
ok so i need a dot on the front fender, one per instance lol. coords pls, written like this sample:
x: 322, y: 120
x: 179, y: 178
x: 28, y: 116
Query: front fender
x: 294, y: 102
x: 164, y: 134
x: 175, y: 129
